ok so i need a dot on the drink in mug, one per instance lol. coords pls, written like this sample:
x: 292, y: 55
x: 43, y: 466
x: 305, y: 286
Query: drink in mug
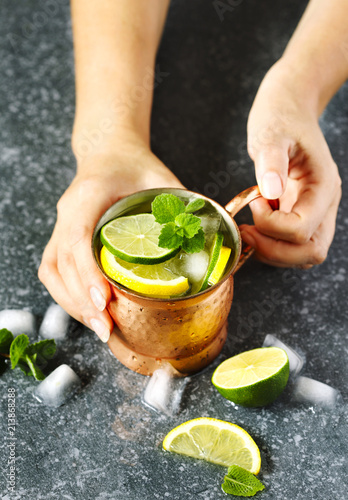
x: 182, y: 254
x: 169, y: 255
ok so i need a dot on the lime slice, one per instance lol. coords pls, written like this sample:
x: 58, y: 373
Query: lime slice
x: 218, y: 261
x: 253, y: 378
x: 215, y: 441
x: 135, y: 239
x: 152, y: 280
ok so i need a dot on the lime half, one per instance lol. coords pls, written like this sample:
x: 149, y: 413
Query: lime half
x: 151, y: 280
x: 218, y: 260
x: 135, y: 239
x: 253, y: 378
x: 216, y: 441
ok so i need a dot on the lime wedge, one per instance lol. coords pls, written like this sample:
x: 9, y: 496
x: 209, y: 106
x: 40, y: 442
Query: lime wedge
x: 216, y: 441
x: 253, y: 378
x: 151, y: 280
x: 218, y: 261
x: 135, y: 239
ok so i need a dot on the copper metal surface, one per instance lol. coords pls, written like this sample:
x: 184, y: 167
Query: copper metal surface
x: 188, y: 332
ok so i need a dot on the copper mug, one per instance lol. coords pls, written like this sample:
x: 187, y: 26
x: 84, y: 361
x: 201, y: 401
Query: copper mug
x: 188, y: 332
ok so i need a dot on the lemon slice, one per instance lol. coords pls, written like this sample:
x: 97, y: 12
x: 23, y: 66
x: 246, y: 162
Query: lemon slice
x: 152, y: 280
x: 216, y: 441
x: 253, y: 378
x: 135, y: 239
x: 218, y: 261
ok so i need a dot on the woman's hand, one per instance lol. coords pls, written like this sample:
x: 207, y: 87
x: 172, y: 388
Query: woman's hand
x: 292, y: 163
x: 68, y: 269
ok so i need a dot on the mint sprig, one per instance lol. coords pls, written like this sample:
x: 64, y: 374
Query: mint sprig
x: 240, y: 482
x: 180, y: 227
x: 30, y: 358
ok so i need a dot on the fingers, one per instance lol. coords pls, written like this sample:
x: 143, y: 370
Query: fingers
x: 300, y: 213
x: 58, y: 272
x: 288, y: 254
x: 271, y: 168
x: 90, y: 277
x: 68, y: 269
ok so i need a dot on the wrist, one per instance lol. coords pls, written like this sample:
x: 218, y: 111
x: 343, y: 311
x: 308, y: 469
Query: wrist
x: 296, y: 85
x: 104, y: 138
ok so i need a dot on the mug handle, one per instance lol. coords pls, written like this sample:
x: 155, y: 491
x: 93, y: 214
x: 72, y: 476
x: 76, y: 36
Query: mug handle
x: 235, y: 205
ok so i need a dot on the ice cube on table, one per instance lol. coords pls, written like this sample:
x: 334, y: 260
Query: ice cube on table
x: 57, y: 387
x: 164, y: 391
x: 296, y: 361
x: 55, y: 323
x: 310, y: 391
x: 18, y: 321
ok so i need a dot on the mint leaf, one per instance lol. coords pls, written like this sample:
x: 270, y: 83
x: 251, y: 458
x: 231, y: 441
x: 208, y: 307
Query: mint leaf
x: 190, y: 224
x: 6, y: 338
x: 24, y: 367
x: 169, y: 237
x: 42, y: 351
x: 18, y: 348
x: 241, y: 482
x: 195, y: 244
x: 165, y: 207
x: 35, y: 370
x: 30, y: 358
x: 194, y: 205
x: 181, y: 228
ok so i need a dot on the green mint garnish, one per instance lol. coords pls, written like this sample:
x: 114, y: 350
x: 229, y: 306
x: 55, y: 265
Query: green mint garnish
x: 169, y: 236
x: 189, y: 224
x: 180, y: 227
x: 18, y: 348
x: 6, y: 339
x: 194, y: 205
x: 165, y: 207
x: 30, y: 358
x: 241, y: 482
x: 195, y: 244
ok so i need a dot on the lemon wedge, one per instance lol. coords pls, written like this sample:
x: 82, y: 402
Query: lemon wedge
x: 216, y: 441
x: 152, y: 280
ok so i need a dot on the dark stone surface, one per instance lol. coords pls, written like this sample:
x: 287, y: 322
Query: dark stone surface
x: 104, y: 444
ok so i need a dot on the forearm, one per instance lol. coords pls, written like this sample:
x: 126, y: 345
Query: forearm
x: 115, y: 45
x: 316, y: 58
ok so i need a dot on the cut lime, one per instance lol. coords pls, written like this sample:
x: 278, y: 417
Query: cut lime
x: 135, y: 239
x: 218, y: 261
x: 215, y: 441
x: 253, y: 378
x: 152, y: 280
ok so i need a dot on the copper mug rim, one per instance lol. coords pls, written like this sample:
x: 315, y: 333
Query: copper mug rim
x: 228, y: 212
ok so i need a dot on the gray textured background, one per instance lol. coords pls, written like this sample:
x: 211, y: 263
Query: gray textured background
x: 103, y: 444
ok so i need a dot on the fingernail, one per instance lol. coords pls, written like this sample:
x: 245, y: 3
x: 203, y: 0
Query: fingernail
x: 97, y: 298
x: 100, y: 329
x: 248, y: 239
x: 271, y: 186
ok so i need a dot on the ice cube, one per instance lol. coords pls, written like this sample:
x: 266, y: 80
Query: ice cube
x: 295, y: 360
x: 58, y: 387
x: 18, y: 321
x: 193, y: 266
x: 310, y: 391
x: 55, y: 323
x: 164, y: 391
x: 210, y: 222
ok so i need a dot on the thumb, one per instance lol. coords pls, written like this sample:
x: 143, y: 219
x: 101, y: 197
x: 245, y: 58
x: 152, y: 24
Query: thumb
x: 271, y: 169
